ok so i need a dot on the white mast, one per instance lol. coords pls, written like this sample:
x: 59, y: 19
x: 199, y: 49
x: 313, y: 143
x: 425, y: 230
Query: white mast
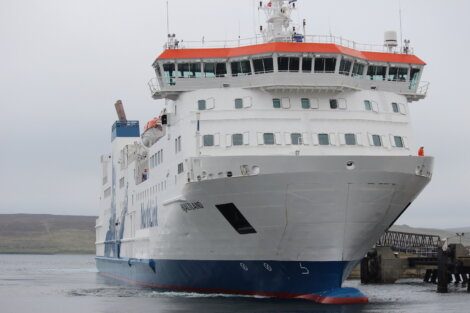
x: 278, y: 19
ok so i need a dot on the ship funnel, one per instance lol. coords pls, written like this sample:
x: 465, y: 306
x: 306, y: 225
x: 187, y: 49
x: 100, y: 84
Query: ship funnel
x: 391, y: 40
x: 120, y: 111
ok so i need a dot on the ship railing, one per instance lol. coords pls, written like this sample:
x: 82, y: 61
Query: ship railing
x: 423, y: 88
x: 338, y: 40
x: 154, y: 86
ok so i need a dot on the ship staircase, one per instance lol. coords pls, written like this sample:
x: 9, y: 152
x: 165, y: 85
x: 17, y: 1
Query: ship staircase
x: 399, y: 253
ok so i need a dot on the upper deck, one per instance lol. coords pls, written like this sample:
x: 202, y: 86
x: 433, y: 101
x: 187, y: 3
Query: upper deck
x: 288, y: 65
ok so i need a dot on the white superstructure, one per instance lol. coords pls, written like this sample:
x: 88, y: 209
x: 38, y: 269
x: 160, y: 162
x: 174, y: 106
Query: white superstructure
x: 284, y: 151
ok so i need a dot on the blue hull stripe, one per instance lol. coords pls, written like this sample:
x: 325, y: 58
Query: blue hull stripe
x: 270, y: 278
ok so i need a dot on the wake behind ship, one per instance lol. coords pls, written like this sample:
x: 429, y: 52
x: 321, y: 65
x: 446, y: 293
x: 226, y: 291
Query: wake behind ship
x: 272, y: 169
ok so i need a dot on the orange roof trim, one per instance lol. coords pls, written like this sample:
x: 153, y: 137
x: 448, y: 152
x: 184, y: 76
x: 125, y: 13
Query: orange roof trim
x: 287, y: 47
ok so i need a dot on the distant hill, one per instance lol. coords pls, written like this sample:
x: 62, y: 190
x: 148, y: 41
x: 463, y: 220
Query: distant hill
x: 47, y: 234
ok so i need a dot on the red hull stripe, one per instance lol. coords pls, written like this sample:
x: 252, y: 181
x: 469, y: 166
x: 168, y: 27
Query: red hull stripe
x: 288, y: 47
x: 280, y: 295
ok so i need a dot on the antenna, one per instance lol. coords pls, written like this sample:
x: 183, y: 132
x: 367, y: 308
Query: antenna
x: 167, y: 18
x: 401, y: 27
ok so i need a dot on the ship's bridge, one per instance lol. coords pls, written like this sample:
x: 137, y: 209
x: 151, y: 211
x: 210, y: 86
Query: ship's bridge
x: 288, y: 66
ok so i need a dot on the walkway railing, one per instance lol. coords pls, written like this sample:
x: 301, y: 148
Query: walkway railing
x: 418, y: 244
x: 338, y: 40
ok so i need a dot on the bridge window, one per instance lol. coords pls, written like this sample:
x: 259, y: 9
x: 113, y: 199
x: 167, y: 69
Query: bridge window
x: 215, y: 69
x: 345, y: 66
x: 241, y: 68
x: 239, y: 103
x: 288, y: 64
x: 376, y: 72
x: 307, y: 65
x: 398, y: 74
x: 368, y: 105
x: 237, y: 139
x: 350, y: 139
x: 376, y: 140
x: 398, y: 142
x: 325, y: 65
x: 305, y: 103
x: 324, y: 139
x: 268, y: 138
x: 358, y: 70
x: 264, y: 65
x: 169, y: 72
x: 277, y: 103
x: 296, y: 139
x: 333, y: 104
x: 202, y: 105
x: 208, y: 140
x: 414, y: 75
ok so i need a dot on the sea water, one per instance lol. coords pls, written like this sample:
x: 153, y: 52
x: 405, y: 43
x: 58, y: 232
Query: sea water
x: 67, y: 283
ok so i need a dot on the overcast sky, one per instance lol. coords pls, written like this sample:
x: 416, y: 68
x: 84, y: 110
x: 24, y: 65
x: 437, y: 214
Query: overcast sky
x: 64, y: 63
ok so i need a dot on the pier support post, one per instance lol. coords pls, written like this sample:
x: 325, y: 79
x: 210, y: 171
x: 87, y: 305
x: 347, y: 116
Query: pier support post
x: 442, y: 274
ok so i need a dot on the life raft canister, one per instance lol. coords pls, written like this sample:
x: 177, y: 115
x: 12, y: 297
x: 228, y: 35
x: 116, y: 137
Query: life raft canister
x: 421, y: 152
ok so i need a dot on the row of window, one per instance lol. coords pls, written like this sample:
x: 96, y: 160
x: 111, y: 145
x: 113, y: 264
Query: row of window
x: 307, y: 64
x: 306, y: 103
x: 156, y: 159
x: 161, y: 186
x: 322, y: 139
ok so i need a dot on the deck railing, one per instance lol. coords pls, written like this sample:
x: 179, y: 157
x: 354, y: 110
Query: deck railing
x: 338, y: 40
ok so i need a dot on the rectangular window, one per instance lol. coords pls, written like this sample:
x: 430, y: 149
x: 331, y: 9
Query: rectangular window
x: 333, y: 104
x: 377, y: 140
x: 324, y: 139
x: 195, y: 69
x: 358, y: 69
x: 180, y: 168
x: 398, y: 74
x: 237, y: 139
x: 208, y: 140
x: 202, y: 105
x: 220, y: 69
x: 294, y: 64
x: 179, y: 144
x: 376, y: 72
x: 325, y: 65
x: 345, y: 66
x: 268, y: 139
x: 283, y: 64
x: 350, y: 139
x: 277, y: 103
x: 368, y: 105
x: 241, y: 68
x: 209, y: 70
x: 239, y: 103
x: 264, y: 65
x: 183, y: 70
x: 395, y: 107
x: 169, y: 73
x: 296, y: 139
x: 398, y: 141
x: 305, y: 103
x: 307, y: 65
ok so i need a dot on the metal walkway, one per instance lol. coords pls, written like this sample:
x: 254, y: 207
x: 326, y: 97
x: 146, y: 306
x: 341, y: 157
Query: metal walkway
x: 417, y: 244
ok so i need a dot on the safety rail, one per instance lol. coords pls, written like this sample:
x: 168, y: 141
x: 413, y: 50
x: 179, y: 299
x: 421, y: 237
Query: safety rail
x: 338, y: 40
x: 423, y: 88
x: 154, y: 86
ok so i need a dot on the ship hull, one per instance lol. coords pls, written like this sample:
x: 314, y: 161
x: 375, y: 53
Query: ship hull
x: 303, y: 223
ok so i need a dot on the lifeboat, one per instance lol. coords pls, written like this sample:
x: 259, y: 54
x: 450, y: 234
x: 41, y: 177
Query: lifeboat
x: 153, y: 131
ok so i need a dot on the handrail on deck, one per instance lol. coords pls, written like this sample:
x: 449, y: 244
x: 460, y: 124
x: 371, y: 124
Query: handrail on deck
x: 338, y: 40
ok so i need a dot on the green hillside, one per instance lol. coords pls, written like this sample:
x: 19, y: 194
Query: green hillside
x: 47, y: 234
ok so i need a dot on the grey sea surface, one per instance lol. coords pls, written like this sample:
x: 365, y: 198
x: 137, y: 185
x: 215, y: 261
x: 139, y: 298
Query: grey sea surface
x: 68, y: 283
